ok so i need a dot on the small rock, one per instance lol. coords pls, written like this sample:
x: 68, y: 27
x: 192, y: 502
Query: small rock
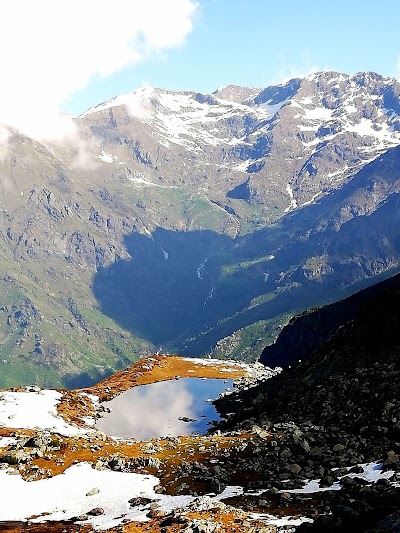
x: 348, y: 482
x: 97, y: 511
x: 92, y: 492
x: 326, y: 481
x: 339, y: 448
x: 139, y: 501
x: 294, y: 468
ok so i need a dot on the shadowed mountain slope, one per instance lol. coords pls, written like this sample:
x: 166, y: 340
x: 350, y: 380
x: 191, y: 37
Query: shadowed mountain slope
x: 351, y: 382
x: 307, y: 332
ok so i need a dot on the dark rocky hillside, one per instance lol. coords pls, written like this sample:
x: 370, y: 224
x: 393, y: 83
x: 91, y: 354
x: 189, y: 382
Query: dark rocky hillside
x: 308, y: 331
x: 340, y: 406
x: 351, y: 382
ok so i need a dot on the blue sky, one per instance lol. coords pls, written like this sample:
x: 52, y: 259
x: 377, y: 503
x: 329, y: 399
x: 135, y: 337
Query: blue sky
x: 260, y: 42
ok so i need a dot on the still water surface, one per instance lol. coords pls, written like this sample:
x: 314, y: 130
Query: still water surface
x: 155, y: 410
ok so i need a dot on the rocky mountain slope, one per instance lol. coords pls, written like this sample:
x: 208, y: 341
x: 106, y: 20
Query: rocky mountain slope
x: 177, y: 220
x: 351, y: 380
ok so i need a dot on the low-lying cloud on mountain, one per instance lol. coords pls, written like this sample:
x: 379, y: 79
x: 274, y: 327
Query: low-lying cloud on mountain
x: 57, y: 48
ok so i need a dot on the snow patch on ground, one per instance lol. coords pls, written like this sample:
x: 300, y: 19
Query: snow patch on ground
x: 280, y: 522
x: 293, y: 202
x: 81, y: 488
x: 202, y: 265
x: 107, y: 158
x: 271, y: 109
x: 32, y: 410
x: 307, y: 100
x: 242, y: 167
x: 213, y: 362
x: 366, y: 128
x: 318, y: 113
x: 372, y: 472
x: 209, y: 296
x: 229, y: 492
x: 66, y: 496
x: 351, y: 108
x: 141, y: 180
x: 255, y: 371
x: 7, y: 441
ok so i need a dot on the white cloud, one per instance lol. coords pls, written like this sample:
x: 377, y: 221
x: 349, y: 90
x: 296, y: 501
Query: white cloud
x: 51, y: 49
x: 397, y: 68
x: 4, y: 136
x: 304, y: 68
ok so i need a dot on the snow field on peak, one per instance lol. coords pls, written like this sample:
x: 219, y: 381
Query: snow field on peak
x: 338, y: 108
x: 379, y: 128
x: 180, y: 117
x: 133, y: 100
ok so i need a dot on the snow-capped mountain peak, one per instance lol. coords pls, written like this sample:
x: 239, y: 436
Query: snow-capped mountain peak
x: 287, y: 133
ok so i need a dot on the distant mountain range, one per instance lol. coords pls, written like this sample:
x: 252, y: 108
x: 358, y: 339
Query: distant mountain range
x: 195, y: 223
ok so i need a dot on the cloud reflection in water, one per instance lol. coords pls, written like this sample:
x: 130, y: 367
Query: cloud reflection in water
x: 154, y: 410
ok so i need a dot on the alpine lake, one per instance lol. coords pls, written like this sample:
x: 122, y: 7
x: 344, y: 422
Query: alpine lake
x: 168, y: 408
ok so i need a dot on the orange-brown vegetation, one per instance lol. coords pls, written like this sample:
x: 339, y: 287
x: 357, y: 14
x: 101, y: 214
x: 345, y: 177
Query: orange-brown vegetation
x: 161, y: 368
x: 156, y: 368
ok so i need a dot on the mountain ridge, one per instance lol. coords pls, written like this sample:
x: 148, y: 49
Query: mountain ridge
x: 232, y: 197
